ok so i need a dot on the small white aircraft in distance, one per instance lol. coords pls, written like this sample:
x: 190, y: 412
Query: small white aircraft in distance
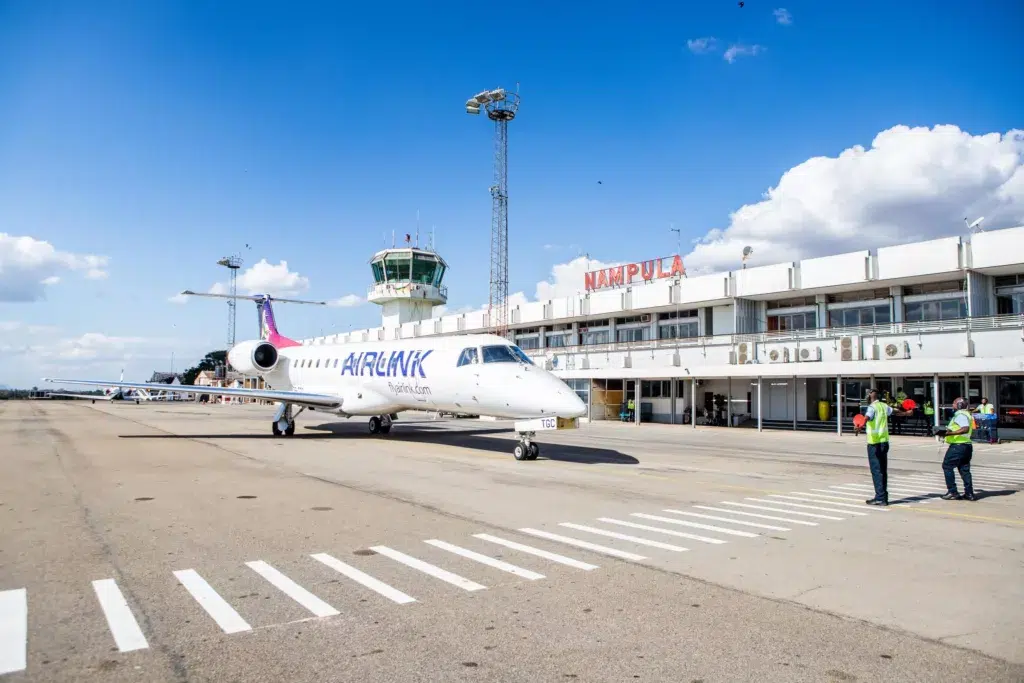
x: 110, y: 393
x: 481, y: 374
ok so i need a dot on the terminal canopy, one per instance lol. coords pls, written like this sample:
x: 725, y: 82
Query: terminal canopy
x: 408, y: 265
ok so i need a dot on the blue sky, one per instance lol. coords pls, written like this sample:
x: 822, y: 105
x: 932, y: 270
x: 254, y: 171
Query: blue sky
x: 163, y: 135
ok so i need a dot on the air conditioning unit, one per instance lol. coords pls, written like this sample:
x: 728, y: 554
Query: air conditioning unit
x: 645, y: 318
x: 894, y: 351
x: 779, y: 355
x: 743, y: 353
x: 849, y: 348
x: 807, y: 355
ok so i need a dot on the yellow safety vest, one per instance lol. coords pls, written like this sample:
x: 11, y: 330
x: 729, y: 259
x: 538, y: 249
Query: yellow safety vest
x: 960, y: 438
x: 988, y: 409
x: 878, y: 426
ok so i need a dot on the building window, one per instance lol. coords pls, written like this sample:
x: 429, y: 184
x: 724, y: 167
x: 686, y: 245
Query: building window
x: 864, y: 295
x: 859, y: 317
x: 633, y: 334
x: 1010, y: 401
x: 657, y: 388
x: 678, y: 331
x: 528, y: 342
x: 1010, y: 304
x: 593, y: 338
x: 581, y: 387
x: 935, y: 288
x: 934, y: 311
x: 555, y: 341
x: 793, y: 321
x: 792, y: 303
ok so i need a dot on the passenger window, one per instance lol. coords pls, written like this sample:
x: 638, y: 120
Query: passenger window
x: 499, y: 354
x: 335, y: 362
x: 468, y: 356
x: 318, y: 362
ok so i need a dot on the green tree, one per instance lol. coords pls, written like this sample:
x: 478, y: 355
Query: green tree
x: 209, y: 362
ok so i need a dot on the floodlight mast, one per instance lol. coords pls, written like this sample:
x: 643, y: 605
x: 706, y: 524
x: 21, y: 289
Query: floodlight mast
x: 232, y: 263
x: 501, y: 107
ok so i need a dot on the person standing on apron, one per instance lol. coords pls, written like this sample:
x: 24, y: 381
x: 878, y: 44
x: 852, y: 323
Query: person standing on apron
x: 877, y: 428
x: 959, y: 452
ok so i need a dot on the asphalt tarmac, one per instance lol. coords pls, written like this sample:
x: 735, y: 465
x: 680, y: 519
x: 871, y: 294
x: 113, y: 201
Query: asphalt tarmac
x: 182, y: 542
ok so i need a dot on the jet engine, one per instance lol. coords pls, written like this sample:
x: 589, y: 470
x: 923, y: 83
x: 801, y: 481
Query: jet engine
x: 253, y: 357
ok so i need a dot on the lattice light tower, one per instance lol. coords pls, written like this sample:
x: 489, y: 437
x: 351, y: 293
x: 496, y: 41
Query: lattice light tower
x: 232, y: 263
x: 501, y: 107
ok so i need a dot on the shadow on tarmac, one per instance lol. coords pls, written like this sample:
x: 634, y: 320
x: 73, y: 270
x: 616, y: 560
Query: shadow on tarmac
x: 424, y: 432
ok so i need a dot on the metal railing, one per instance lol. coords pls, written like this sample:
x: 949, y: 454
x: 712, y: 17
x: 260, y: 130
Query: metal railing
x: 818, y: 334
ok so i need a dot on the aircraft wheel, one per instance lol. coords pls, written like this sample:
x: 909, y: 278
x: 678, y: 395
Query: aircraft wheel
x: 521, y: 452
x: 275, y: 429
x: 375, y: 425
x: 385, y: 429
x: 534, y: 450
x: 290, y: 430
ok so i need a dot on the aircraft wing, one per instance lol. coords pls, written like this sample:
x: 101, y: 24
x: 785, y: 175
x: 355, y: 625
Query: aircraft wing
x: 295, y: 397
x: 91, y: 397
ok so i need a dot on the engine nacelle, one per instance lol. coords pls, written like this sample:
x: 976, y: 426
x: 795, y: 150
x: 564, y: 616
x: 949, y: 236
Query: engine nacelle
x: 253, y: 357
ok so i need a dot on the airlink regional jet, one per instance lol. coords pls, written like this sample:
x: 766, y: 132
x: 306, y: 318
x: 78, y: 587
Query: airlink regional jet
x: 481, y: 374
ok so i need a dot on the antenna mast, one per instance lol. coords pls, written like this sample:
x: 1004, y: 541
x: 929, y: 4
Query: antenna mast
x: 232, y: 263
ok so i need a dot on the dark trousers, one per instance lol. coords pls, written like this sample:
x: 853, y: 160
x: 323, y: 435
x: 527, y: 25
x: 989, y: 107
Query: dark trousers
x: 958, y: 456
x: 878, y: 460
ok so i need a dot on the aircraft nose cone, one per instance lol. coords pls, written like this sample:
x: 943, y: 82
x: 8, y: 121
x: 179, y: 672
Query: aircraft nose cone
x: 570, y: 405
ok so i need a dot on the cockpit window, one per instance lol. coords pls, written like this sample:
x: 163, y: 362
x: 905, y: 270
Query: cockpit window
x: 468, y: 356
x: 502, y: 354
x: 521, y: 355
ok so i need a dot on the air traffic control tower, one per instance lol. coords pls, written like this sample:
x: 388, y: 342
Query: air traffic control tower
x: 407, y: 283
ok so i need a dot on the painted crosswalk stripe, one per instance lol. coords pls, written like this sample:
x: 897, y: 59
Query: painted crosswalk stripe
x: 217, y: 607
x: 801, y: 522
x: 622, y: 537
x: 783, y: 511
x: 123, y: 626
x: 902, y: 490
x: 293, y: 590
x: 363, y: 578
x: 859, y: 490
x: 484, y: 559
x: 695, y: 525
x: 622, y: 554
x: 808, y: 507
x: 658, y: 530
x: 841, y: 494
x: 846, y: 499
x: 715, y: 518
x: 427, y: 568
x: 13, y: 630
x: 805, y: 498
x: 554, y: 557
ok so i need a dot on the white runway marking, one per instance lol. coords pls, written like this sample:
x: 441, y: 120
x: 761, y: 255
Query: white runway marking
x: 658, y: 530
x: 583, y: 544
x: 363, y: 578
x: 754, y: 514
x: 783, y: 511
x: 13, y: 630
x: 427, y: 568
x: 756, y: 525
x: 696, y: 525
x: 805, y: 498
x: 568, y: 561
x: 217, y: 607
x: 808, y: 507
x: 293, y: 590
x: 123, y: 626
x: 484, y: 559
x: 623, y: 537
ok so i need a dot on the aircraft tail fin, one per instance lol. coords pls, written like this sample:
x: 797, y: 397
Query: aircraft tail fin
x: 268, y: 326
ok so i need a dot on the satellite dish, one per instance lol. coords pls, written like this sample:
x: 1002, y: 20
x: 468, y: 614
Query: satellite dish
x: 747, y: 251
x: 976, y: 223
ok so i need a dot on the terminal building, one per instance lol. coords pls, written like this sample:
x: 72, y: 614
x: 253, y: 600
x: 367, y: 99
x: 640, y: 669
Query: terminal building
x: 791, y: 345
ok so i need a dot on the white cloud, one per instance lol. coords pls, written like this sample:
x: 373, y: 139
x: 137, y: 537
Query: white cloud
x: 783, y: 16
x: 178, y: 299
x: 28, y: 266
x: 265, y: 278
x: 347, y: 301
x: 699, y: 46
x: 741, y: 50
x: 912, y: 184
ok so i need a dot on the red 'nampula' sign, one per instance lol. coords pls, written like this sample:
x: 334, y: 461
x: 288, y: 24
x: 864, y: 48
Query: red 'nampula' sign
x: 624, y: 275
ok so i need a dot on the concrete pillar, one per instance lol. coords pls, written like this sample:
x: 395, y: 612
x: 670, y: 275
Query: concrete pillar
x: 796, y: 401
x: 693, y: 402
x: 673, y: 393
x: 839, y: 406
x: 728, y: 404
x: 760, y: 425
x: 935, y: 398
x: 542, y: 341
x: 896, y: 292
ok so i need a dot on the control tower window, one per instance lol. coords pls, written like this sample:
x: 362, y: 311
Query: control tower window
x: 468, y: 356
x: 438, y: 275
x: 378, y: 272
x: 424, y: 269
x: 397, y: 267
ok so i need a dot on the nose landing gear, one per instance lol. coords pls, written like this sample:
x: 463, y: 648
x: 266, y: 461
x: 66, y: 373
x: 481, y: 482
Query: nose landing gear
x: 526, y: 449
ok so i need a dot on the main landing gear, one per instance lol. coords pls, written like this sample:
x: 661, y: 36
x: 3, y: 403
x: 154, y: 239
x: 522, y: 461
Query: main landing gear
x: 526, y: 449
x: 380, y: 424
x: 284, y: 420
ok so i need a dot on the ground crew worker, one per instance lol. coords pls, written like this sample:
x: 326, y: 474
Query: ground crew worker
x: 877, y: 428
x: 959, y: 452
x: 630, y: 407
x: 986, y: 408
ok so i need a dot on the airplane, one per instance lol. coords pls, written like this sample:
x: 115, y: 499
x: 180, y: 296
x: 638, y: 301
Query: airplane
x: 481, y: 374
x: 110, y: 393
